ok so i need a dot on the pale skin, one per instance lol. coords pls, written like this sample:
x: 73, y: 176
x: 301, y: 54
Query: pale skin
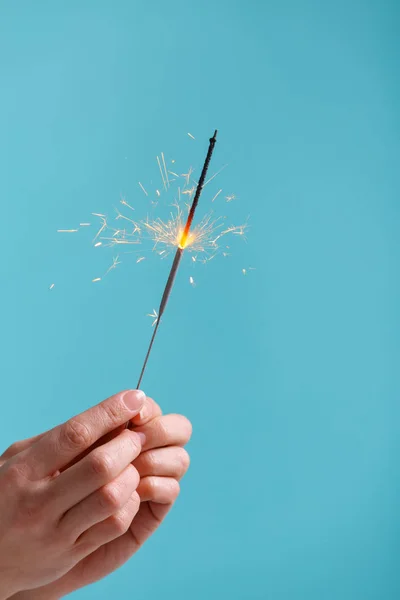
x: 76, y: 502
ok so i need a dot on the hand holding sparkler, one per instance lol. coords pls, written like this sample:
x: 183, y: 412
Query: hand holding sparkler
x: 95, y: 492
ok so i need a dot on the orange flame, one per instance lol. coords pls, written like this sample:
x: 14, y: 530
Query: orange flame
x: 185, y: 238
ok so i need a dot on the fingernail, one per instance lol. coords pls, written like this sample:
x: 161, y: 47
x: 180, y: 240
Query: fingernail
x: 134, y: 399
x: 142, y: 437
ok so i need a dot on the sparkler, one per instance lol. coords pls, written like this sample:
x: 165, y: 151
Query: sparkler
x: 184, y: 240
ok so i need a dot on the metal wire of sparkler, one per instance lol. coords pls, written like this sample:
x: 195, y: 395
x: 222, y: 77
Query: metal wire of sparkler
x: 178, y: 255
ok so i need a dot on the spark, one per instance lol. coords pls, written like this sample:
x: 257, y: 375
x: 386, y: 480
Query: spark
x: 161, y: 173
x: 114, y: 241
x: 67, y: 230
x: 189, y: 192
x: 114, y: 264
x: 174, y: 174
x: 96, y: 279
x: 51, y: 287
x: 84, y: 224
x: 215, y: 175
x: 244, y: 271
x: 191, y: 281
x: 173, y: 161
x: 140, y: 259
x: 153, y: 315
x: 102, y: 228
x: 165, y: 168
x: 98, y: 244
x: 194, y: 258
x: 230, y: 198
x: 143, y: 189
x: 122, y: 216
x: 187, y: 175
x: 98, y: 215
x: 124, y: 202
x: 191, y: 136
x: 216, y: 195
x: 158, y: 193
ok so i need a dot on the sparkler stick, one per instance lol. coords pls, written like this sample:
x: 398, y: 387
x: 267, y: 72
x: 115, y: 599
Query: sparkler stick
x: 178, y: 255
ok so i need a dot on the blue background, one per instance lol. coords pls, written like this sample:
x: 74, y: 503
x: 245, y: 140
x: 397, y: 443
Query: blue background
x: 290, y: 374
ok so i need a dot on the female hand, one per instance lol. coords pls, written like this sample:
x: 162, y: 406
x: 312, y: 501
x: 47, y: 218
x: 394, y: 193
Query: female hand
x: 161, y: 464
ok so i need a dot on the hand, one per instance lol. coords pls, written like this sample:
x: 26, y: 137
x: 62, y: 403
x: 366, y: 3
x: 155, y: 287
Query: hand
x: 161, y: 464
x: 51, y: 516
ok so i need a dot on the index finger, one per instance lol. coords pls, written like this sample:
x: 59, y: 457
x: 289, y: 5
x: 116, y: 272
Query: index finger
x: 67, y: 441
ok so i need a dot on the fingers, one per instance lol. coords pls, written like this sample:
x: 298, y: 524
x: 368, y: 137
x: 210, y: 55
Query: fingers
x: 109, y: 529
x: 169, y: 430
x: 95, y: 470
x: 149, y: 410
x: 108, y: 500
x: 67, y: 441
x: 172, y: 461
x: 162, y: 490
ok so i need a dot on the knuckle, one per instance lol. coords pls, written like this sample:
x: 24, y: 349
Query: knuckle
x: 120, y: 523
x: 150, y: 461
x: 135, y: 443
x: 134, y: 477
x: 13, y: 449
x: 151, y: 485
x: 134, y: 503
x: 112, y: 413
x: 162, y: 429
x: 132, y: 507
x: 76, y: 434
x: 101, y: 463
x: 109, y: 497
x: 14, y: 476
